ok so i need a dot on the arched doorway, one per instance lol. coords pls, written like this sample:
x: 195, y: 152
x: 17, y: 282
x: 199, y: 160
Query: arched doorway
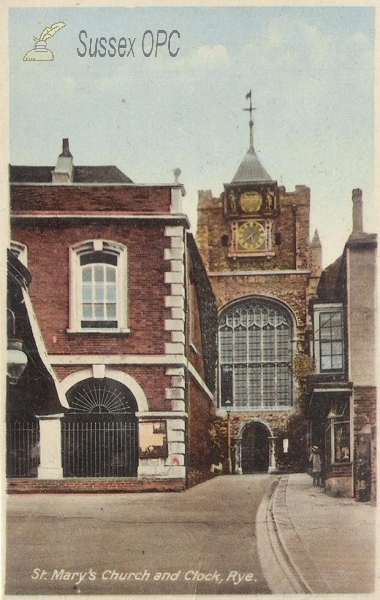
x: 99, y: 434
x: 255, y: 448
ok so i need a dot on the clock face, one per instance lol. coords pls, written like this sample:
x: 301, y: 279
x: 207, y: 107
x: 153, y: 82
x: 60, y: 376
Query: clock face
x: 251, y: 201
x: 251, y: 235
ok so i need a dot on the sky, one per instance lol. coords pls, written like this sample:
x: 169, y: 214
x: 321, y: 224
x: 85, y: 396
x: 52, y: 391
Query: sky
x: 311, y: 72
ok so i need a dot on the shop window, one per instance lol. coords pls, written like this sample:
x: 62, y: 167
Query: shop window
x: 338, y: 433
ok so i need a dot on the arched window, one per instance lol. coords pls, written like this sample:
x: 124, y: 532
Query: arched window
x: 99, y: 286
x: 255, y: 355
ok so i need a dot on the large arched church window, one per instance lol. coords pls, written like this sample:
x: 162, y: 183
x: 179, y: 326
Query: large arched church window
x: 255, y: 355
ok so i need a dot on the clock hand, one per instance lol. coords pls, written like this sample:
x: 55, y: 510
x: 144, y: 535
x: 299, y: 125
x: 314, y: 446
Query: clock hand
x: 250, y: 236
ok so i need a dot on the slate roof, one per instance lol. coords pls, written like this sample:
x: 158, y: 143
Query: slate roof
x: 251, y: 170
x: 330, y: 286
x: 101, y: 174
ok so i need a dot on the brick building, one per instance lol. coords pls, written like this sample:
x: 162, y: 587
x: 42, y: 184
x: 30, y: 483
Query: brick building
x: 122, y: 300
x: 254, y: 241
x: 342, y: 401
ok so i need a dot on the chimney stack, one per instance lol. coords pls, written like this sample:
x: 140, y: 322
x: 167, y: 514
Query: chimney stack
x: 357, y: 211
x: 64, y: 169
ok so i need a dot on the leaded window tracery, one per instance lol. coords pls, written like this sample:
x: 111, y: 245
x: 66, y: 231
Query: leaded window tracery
x: 255, y: 349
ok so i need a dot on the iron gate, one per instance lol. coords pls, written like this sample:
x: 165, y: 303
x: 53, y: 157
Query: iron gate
x: 99, y: 445
x: 23, y: 451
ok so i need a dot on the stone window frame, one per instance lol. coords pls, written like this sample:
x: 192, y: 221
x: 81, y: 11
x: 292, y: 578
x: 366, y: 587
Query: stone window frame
x: 107, y: 247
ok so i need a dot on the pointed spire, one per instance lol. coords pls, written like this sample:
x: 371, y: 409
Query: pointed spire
x: 251, y: 170
x: 316, y: 255
x: 316, y: 242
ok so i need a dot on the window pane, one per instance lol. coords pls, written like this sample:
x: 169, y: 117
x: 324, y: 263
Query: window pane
x: 325, y: 363
x: 111, y: 293
x: 268, y: 343
x: 87, y: 274
x: 99, y: 273
x: 337, y: 348
x: 325, y: 319
x: 326, y: 348
x: 254, y: 388
x: 254, y: 342
x: 283, y: 381
x: 269, y: 385
x: 111, y: 311
x: 240, y: 381
x: 87, y: 311
x: 283, y: 344
x: 99, y: 293
x: 336, y: 319
x: 342, y: 442
x: 336, y: 333
x: 337, y: 362
x: 226, y: 345
x: 325, y: 333
x: 99, y: 311
x: 86, y: 293
x: 110, y: 274
x: 240, y: 345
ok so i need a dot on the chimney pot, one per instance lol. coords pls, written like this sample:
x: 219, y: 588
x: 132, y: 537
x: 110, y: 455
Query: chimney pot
x: 66, y: 148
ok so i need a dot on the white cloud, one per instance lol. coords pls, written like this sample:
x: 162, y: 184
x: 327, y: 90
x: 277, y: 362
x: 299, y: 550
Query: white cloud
x: 209, y: 56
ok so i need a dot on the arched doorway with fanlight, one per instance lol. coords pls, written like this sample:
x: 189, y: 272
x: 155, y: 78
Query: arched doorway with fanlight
x: 100, y: 431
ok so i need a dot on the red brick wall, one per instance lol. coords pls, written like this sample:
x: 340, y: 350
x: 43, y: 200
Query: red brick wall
x: 93, y: 486
x: 48, y: 254
x: 195, y: 352
x: 365, y: 413
x: 200, y: 416
x: 84, y: 199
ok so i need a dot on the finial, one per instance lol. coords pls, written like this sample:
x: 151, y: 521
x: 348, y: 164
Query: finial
x: 177, y: 173
x: 316, y: 241
x: 249, y: 96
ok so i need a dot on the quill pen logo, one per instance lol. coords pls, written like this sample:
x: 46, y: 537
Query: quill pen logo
x: 40, y: 51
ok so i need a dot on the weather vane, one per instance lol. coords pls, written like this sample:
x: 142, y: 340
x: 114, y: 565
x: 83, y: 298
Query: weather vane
x: 249, y: 95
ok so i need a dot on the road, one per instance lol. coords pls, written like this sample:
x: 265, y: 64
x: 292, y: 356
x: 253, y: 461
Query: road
x: 199, y: 541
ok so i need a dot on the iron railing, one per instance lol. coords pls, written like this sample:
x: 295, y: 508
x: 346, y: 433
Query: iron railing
x: 23, y: 453
x: 94, y: 446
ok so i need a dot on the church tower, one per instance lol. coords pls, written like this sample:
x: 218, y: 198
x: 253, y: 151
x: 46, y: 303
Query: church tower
x: 254, y: 240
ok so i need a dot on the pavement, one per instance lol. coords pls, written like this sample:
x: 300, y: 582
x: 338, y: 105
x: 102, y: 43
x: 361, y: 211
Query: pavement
x: 312, y: 543
x: 298, y: 541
